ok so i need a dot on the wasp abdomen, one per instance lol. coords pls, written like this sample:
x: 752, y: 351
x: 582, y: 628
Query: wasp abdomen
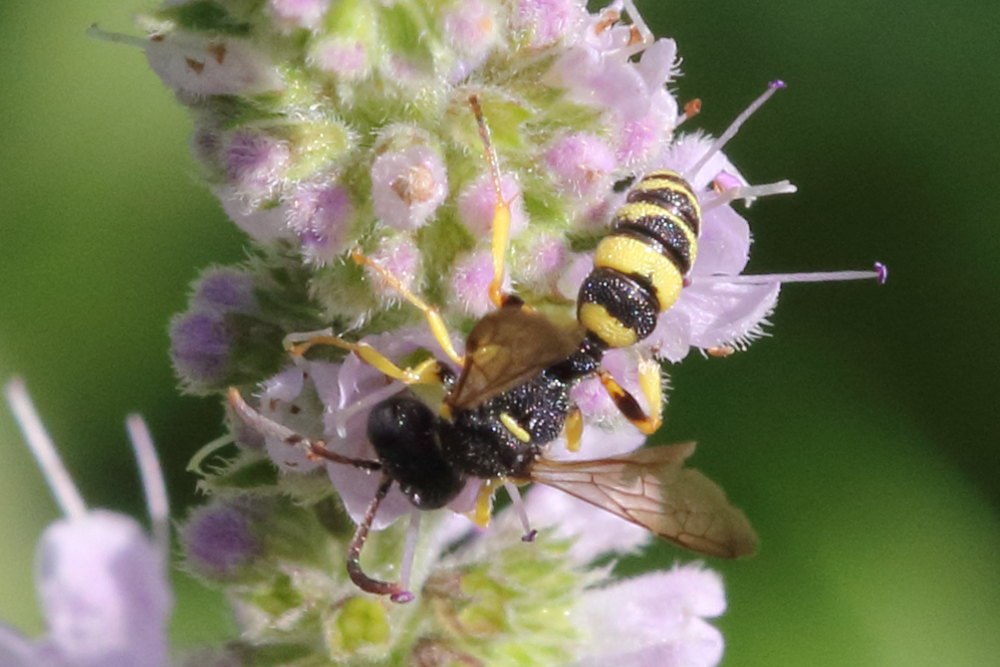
x: 639, y: 267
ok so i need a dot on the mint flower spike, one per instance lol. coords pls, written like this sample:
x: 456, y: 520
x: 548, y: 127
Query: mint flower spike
x: 102, y: 582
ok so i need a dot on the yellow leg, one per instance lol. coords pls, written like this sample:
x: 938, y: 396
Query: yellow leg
x: 480, y: 515
x: 573, y: 429
x: 501, y: 210
x: 426, y: 372
x: 649, y: 381
x: 434, y: 319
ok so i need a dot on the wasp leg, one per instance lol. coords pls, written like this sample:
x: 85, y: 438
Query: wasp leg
x: 426, y: 372
x: 650, y: 382
x: 501, y: 210
x: 395, y: 592
x: 480, y: 515
x: 573, y: 429
x: 269, y: 427
x: 433, y: 316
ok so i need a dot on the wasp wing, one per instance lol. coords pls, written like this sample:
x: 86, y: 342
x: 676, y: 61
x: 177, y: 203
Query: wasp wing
x: 506, y: 348
x: 651, y: 488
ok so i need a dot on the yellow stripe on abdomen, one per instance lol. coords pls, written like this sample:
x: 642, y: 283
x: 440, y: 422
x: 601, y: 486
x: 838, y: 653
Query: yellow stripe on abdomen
x: 632, y: 256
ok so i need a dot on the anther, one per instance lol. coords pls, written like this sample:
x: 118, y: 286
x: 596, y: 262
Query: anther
x: 883, y: 272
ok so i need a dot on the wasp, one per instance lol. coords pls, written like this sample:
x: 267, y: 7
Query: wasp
x: 511, y: 397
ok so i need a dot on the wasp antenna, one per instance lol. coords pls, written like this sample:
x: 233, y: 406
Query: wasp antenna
x: 270, y: 428
x: 522, y: 513
x: 153, y: 486
x: 501, y: 209
x: 395, y: 592
x: 44, y: 450
x: 733, y: 128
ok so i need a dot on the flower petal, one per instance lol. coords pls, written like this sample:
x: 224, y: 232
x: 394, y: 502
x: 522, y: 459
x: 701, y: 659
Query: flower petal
x: 104, y: 592
x: 654, y: 619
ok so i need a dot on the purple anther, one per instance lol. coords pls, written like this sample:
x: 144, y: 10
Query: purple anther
x: 882, y: 271
x: 777, y: 84
x: 686, y: 282
x: 529, y: 536
x: 401, y: 597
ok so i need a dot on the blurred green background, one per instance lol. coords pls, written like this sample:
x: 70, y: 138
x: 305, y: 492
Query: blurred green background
x: 861, y: 438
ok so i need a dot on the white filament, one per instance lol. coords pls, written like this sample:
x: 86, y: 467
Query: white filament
x: 750, y: 192
x: 690, y: 174
x: 65, y: 492
x: 152, y: 482
x: 409, y: 550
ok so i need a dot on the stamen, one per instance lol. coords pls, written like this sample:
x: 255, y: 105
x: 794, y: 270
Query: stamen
x: 733, y: 128
x: 639, y: 25
x: 522, y: 513
x: 97, y: 32
x: 152, y: 482
x: 409, y: 552
x: 749, y: 192
x: 880, y: 273
x: 66, y: 494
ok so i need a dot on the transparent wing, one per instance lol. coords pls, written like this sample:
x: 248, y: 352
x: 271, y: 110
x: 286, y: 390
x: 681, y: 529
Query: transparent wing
x: 651, y: 488
x: 506, y: 348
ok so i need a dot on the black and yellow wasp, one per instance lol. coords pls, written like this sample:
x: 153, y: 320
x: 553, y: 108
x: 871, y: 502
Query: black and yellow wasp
x: 512, y: 395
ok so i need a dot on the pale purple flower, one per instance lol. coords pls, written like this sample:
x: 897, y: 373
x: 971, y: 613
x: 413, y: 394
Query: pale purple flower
x: 653, y: 620
x: 549, y: 21
x: 256, y: 163
x: 102, y: 580
x: 321, y: 215
x: 470, y: 26
x: 598, y: 71
x: 283, y: 398
x: 262, y: 224
x: 408, y: 185
x: 340, y: 397
x: 542, y: 262
x: 578, y: 267
x: 582, y: 163
x: 218, y: 540
x: 200, y: 343
x: 298, y: 13
x: 399, y: 256
x: 346, y: 59
x: 477, y: 204
x: 198, y: 65
x: 226, y: 290
x: 470, y: 282
x: 594, y: 532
